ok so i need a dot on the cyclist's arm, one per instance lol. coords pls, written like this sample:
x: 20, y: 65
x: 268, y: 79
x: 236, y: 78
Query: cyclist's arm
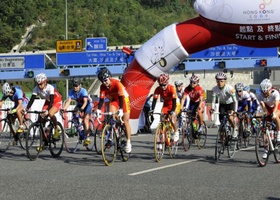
x: 173, y: 105
x: 154, y: 103
x: 276, y: 102
x: 19, y: 104
x: 31, y: 101
x: 51, y: 101
x: 67, y: 103
x: 85, y: 99
x: 183, y: 100
x: 121, y: 102
x: 100, y: 103
x: 1, y: 102
x: 235, y: 102
x: 213, y: 101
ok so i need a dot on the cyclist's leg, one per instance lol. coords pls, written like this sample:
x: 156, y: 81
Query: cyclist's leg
x: 125, y: 118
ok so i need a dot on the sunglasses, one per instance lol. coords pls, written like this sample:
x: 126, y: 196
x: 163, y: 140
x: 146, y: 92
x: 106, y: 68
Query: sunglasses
x: 193, y: 82
x: 75, y: 85
x: 162, y: 85
x: 221, y: 81
x: 239, y: 91
x: 105, y: 80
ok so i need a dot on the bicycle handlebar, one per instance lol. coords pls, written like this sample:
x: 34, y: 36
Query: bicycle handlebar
x: 110, y: 114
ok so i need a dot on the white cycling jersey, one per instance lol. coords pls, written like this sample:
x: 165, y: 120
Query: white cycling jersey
x: 269, y: 101
x: 245, y: 96
x: 225, y: 95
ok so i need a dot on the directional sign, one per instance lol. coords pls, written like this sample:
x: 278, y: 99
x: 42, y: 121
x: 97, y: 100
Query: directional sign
x: 96, y: 44
x: 69, y: 45
x: 22, y: 61
x: 235, y: 51
x: 92, y: 58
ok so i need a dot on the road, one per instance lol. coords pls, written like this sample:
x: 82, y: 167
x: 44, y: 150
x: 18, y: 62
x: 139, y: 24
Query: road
x: 192, y: 175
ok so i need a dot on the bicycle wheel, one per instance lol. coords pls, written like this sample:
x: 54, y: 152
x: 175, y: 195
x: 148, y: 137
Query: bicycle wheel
x: 97, y: 139
x: 220, y: 144
x: 240, y: 134
x: 276, y: 151
x: 92, y: 131
x: 108, y: 145
x: 122, y: 143
x: 6, y: 136
x: 260, y: 146
x: 231, y: 145
x: 186, y: 136
x: 202, y: 136
x: 22, y: 136
x: 159, y: 143
x: 71, y: 137
x: 173, y: 146
x: 56, y: 144
x: 34, y: 141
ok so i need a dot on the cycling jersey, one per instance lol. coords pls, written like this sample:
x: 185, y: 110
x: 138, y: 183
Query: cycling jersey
x: 225, y: 95
x: 255, y: 103
x: 167, y: 95
x: 79, y: 98
x: 45, y: 94
x: 113, y: 92
x: 18, y: 95
x: 269, y: 101
x: 195, y: 93
x: 243, y: 100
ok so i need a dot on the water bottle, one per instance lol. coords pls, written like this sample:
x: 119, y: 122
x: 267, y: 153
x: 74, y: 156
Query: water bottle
x: 195, y: 125
x: 272, y: 134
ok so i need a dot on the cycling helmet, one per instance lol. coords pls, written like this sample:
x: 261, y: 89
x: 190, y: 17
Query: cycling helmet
x: 77, y: 81
x: 41, y: 78
x: 178, y: 83
x: 246, y: 88
x: 265, y: 85
x: 103, y: 74
x: 194, y: 78
x: 6, y: 89
x: 163, y: 79
x: 221, y: 76
x: 239, y: 86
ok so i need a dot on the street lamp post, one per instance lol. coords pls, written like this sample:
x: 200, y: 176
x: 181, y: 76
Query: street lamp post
x: 66, y: 21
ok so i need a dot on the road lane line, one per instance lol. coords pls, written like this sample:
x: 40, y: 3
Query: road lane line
x: 164, y: 167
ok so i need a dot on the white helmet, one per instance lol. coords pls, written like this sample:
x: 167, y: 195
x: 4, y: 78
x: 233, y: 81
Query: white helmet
x: 265, y: 85
x: 6, y: 89
x: 221, y: 76
x: 239, y: 87
x: 178, y: 83
x: 40, y: 78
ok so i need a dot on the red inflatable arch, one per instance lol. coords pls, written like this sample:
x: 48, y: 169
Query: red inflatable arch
x: 254, y: 23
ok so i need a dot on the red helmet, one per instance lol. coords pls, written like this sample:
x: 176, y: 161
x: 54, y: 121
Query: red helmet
x: 194, y: 78
x: 163, y: 79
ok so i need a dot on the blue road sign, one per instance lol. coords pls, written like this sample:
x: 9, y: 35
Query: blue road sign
x: 235, y: 51
x: 96, y: 44
x: 92, y: 58
x: 31, y: 61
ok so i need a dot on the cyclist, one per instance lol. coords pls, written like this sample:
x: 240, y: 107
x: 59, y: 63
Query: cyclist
x: 244, y: 101
x: 269, y: 101
x: 118, y: 100
x: 196, y: 100
x: 180, y: 91
x: 80, y: 95
x: 226, y: 98
x: 53, y: 100
x: 20, y: 102
x: 170, y: 104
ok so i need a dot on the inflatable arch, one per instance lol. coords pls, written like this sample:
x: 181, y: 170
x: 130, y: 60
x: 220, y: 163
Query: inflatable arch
x: 254, y: 23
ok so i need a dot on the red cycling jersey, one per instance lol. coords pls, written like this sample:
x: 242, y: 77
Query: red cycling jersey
x: 167, y: 95
x: 194, y: 93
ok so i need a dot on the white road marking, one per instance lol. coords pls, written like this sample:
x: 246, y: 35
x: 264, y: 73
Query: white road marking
x: 164, y: 167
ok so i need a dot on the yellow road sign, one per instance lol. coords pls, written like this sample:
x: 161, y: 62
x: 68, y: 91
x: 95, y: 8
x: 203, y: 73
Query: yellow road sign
x: 69, y: 45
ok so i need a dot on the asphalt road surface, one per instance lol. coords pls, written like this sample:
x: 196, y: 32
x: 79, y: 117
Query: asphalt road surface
x: 192, y: 175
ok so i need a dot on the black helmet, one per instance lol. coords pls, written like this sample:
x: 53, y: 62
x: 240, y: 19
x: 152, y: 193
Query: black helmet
x: 76, y: 81
x: 103, y: 74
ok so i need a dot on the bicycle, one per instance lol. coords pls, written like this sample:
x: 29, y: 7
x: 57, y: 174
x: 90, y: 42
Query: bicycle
x: 113, y: 139
x: 39, y: 137
x: 162, y: 138
x: 224, y: 138
x: 190, y: 134
x: 266, y: 139
x: 8, y: 133
x: 244, y: 136
x: 75, y: 134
